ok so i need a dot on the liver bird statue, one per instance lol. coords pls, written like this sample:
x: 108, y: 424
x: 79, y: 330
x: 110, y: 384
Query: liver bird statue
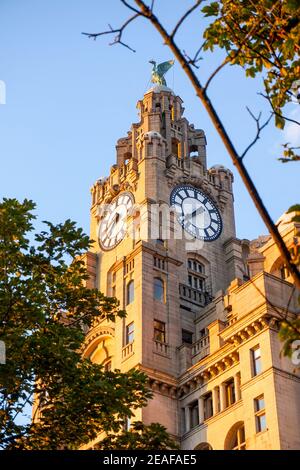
x: 159, y: 71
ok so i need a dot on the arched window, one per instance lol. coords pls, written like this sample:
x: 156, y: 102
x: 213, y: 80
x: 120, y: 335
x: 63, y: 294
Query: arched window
x: 100, y: 351
x: 194, y: 152
x: 130, y: 292
x: 279, y: 269
x: 127, y: 157
x: 203, y: 446
x: 235, y: 439
x: 159, y: 289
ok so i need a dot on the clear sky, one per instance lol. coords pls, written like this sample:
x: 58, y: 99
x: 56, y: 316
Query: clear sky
x: 68, y: 99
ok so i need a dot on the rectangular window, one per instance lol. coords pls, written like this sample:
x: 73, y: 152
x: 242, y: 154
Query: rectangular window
x: 230, y: 393
x: 194, y: 414
x: 208, y: 406
x: 260, y: 414
x: 159, y: 331
x: 256, y: 360
x: 203, y: 332
x: 130, y: 333
x: 183, y: 421
x: 187, y: 337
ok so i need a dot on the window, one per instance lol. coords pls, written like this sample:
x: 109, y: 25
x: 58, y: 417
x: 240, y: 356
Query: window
x: 208, y: 406
x: 159, y: 293
x: 260, y: 414
x: 130, y: 266
x: 194, y: 265
x: 187, y: 337
x: 238, y: 439
x: 203, y: 332
x: 284, y: 272
x: 107, y: 366
x: 130, y: 333
x: 196, y: 282
x: 203, y: 446
x: 196, y: 277
x: 159, y: 331
x: 175, y: 147
x: 127, y: 424
x: 159, y: 262
x: 256, y: 361
x: 229, y: 392
x: 183, y: 421
x: 130, y: 292
x: 194, y: 414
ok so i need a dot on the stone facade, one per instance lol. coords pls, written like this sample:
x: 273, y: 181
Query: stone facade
x: 201, y: 319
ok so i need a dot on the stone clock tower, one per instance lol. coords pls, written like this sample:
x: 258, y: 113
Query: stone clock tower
x: 165, y: 266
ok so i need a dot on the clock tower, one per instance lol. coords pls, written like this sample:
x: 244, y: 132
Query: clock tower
x: 165, y: 245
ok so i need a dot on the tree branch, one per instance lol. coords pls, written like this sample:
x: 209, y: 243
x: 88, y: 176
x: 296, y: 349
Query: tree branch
x: 294, y: 121
x: 118, y: 31
x: 184, y: 17
x: 259, y: 128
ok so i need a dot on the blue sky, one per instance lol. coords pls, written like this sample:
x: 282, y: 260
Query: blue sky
x: 68, y: 99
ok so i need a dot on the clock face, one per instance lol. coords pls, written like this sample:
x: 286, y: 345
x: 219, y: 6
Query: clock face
x: 196, y: 213
x: 113, y: 225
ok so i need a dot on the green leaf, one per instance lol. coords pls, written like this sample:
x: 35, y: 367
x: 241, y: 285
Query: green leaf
x: 211, y: 10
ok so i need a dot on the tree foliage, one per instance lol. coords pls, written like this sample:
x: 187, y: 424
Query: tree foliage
x: 152, y: 437
x: 44, y: 310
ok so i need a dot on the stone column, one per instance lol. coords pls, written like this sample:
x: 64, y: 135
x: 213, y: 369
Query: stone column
x: 215, y: 399
x: 237, y: 386
x: 201, y: 410
x: 187, y: 419
x: 222, y: 397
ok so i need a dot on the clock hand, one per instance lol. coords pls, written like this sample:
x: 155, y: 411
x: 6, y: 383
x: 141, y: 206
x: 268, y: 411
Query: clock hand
x: 113, y: 223
x: 198, y: 211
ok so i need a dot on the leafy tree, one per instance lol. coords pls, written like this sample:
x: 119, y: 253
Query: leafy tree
x: 152, y: 437
x: 44, y: 310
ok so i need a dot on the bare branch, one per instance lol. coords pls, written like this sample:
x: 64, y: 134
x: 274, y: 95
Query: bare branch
x: 196, y: 56
x: 294, y: 121
x: 134, y: 9
x: 184, y: 17
x: 259, y: 128
x: 118, y: 31
x: 215, y: 72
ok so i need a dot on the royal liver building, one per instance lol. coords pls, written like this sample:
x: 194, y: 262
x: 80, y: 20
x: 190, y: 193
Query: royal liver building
x: 201, y: 304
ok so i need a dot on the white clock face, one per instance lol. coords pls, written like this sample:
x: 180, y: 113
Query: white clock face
x: 196, y: 213
x: 113, y: 225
